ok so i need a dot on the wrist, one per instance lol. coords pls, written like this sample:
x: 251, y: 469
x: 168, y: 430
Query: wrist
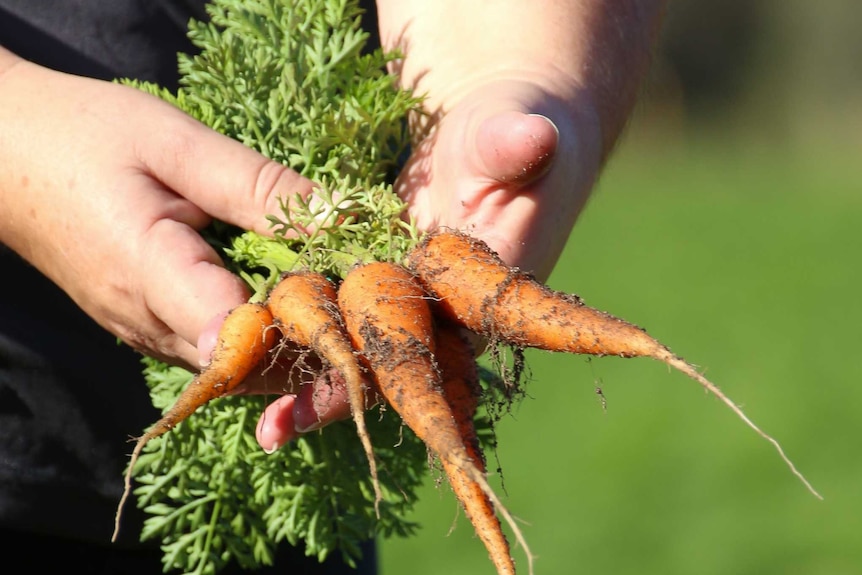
x: 595, y: 53
x: 8, y: 60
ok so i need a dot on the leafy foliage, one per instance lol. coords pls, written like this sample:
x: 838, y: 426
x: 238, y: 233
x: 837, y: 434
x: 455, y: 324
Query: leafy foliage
x: 290, y: 79
x: 214, y: 496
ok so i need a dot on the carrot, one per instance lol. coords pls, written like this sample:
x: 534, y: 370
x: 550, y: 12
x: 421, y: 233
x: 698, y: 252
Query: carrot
x: 243, y: 341
x: 304, y: 306
x: 390, y: 323
x: 460, y: 382
x: 476, y: 289
x: 459, y: 376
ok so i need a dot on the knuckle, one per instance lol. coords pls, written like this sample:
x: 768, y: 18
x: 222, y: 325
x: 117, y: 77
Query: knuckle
x: 276, y: 184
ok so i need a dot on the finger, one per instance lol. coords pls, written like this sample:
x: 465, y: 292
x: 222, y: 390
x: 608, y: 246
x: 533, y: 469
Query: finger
x: 225, y: 178
x: 276, y: 426
x: 185, y: 284
x: 284, y: 371
x: 208, y: 338
x: 318, y: 404
x: 514, y: 147
x: 321, y: 403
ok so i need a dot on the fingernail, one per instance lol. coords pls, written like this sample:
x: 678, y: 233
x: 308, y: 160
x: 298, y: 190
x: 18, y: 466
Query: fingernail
x: 275, y: 447
x: 548, y: 120
x: 312, y: 426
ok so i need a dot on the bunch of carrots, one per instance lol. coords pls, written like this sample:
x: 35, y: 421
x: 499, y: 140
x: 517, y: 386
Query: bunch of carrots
x: 391, y: 312
x: 397, y: 332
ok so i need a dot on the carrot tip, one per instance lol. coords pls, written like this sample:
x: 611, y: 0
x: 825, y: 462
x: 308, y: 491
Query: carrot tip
x: 688, y: 369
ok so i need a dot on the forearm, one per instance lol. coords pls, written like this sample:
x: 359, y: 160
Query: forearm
x: 9, y: 194
x: 588, y: 51
x: 33, y: 114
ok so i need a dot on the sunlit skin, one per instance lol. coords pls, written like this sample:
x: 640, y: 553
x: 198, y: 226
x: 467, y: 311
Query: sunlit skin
x: 104, y: 188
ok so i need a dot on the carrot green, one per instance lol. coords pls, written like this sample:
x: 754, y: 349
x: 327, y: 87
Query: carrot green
x: 294, y: 81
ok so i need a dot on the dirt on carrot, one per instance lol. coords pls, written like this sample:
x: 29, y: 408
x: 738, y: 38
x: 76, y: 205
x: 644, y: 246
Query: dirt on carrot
x: 305, y: 308
x: 460, y: 382
x: 243, y: 341
x: 390, y: 322
x: 405, y: 326
x: 509, y: 306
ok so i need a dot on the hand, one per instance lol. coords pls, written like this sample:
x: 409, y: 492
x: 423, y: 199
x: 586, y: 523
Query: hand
x: 104, y: 189
x: 482, y: 162
x: 510, y: 164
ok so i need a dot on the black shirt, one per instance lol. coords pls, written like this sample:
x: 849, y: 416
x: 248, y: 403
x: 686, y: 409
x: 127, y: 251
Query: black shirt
x: 63, y: 442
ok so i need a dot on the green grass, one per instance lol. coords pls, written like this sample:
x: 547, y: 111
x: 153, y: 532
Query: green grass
x: 747, y: 262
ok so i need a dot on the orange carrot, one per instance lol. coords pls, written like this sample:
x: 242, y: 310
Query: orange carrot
x: 476, y: 289
x: 305, y: 308
x: 389, y: 321
x: 243, y: 341
x: 460, y: 381
x: 459, y: 376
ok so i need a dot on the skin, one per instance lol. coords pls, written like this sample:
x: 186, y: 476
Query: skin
x: 104, y: 188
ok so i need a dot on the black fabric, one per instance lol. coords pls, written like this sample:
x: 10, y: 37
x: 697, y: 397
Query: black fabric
x: 70, y: 395
x: 135, y: 38
x: 58, y: 556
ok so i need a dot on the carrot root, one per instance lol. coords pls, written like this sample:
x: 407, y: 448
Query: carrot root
x: 243, y: 341
x: 460, y: 383
x: 305, y: 308
x: 689, y: 370
x: 508, y: 305
x: 389, y: 320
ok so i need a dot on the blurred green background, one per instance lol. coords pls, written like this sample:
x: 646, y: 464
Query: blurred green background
x: 729, y: 223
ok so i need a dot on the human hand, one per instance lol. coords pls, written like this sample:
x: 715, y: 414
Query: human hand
x: 482, y: 161
x: 104, y: 189
x: 581, y: 64
x: 511, y: 164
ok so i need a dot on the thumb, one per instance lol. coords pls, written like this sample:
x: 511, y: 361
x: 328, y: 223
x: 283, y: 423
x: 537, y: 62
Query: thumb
x: 514, y: 147
x: 222, y: 176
